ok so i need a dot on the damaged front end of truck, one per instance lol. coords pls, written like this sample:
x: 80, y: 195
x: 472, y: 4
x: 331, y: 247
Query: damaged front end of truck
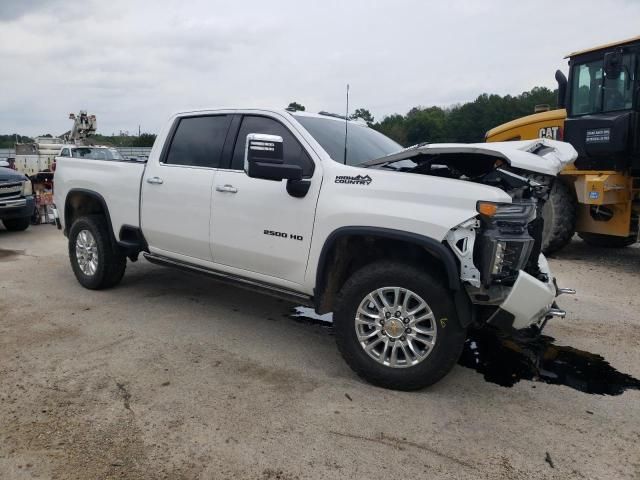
x: 502, y: 268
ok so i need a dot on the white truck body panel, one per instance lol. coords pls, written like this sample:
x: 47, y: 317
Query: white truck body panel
x: 118, y: 183
x: 430, y: 206
x: 529, y: 298
x: 175, y: 213
x: 218, y: 218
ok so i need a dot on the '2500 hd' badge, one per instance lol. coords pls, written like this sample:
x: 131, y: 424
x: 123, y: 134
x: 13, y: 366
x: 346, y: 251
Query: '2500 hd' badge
x: 357, y: 180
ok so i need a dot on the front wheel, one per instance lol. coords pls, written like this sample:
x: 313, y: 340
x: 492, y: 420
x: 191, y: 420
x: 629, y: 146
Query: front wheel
x: 17, y: 224
x: 396, y: 326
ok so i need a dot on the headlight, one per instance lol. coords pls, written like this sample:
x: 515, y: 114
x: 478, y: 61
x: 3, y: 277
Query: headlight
x: 498, y: 211
x: 27, y: 189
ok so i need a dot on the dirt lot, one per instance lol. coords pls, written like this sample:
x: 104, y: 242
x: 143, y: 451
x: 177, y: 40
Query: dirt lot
x: 175, y: 376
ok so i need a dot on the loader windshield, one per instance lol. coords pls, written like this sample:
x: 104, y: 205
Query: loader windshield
x: 592, y: 92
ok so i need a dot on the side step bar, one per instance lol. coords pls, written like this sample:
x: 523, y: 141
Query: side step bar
x: 242, y: 282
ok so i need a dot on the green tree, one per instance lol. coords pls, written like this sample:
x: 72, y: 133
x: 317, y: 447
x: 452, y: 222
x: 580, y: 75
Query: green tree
x: 364, y: 114
x: 144, y: 140
x: 9, y: 141
x: 296, y: 107
x: 467, y: 122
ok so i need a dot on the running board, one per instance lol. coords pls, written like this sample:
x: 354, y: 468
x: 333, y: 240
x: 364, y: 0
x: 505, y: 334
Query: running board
x: 242, y: 282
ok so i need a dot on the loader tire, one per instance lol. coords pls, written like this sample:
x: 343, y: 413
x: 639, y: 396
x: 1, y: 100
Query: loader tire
x: 559, y: 214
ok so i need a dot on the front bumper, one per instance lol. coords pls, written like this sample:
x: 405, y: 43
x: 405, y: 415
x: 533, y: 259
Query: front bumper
x: 530, y: 300
x: 17, y: 208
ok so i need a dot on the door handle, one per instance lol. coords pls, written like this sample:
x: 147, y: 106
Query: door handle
x: 226, y: 188
x: 155, y: 180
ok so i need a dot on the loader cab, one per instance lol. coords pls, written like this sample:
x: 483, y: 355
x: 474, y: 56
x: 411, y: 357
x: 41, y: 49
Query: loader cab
x: 603, y: 107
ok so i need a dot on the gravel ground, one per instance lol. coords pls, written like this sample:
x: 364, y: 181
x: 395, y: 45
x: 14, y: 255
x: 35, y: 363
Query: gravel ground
x: 171, y: 375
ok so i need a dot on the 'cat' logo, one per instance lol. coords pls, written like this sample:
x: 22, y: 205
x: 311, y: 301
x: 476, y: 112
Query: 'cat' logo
x: 552, y: 133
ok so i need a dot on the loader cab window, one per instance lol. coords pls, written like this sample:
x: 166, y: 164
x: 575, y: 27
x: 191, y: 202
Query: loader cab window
x: 592, y: 92
x: 586, y: 88
x: 618, y: 92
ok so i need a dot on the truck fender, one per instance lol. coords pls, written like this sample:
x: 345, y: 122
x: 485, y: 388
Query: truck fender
x: 96, y: 196
x: 437, y: 249
x: 131, y: 240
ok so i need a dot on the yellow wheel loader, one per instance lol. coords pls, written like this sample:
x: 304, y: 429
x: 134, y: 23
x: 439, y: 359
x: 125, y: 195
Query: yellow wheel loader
x: 599, y: 114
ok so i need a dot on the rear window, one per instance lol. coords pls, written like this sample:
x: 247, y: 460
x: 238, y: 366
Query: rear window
x: 198, y: 141
x: 93, y: 153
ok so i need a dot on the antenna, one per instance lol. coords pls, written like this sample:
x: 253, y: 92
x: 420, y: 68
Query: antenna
x: 346, y: 126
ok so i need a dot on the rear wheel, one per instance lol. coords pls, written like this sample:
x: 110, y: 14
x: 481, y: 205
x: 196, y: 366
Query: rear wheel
x: 396, y: 326
x: 95, y: 260
x: 559, y: 214
x: 17, y: 224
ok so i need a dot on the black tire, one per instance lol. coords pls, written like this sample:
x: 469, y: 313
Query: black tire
x: 111, y: 262
x: 608, y: 241
x: 559, y: 213
x: 450, y: 335
x: 17, y: 224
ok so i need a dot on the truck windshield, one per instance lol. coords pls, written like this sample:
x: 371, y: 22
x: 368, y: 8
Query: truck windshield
x: 96, y: 153
x: 590, y: 94
x: 363, y: 143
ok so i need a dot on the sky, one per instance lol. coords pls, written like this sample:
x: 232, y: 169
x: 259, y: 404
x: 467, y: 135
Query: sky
x: 133, y: 63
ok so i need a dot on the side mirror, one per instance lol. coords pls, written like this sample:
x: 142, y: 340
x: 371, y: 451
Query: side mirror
x: 264, y: 158
x: 4, y: 163
x: 613, y: 64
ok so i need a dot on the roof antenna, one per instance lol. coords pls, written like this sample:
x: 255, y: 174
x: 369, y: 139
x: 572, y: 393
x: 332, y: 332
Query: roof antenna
x: 346, y: 126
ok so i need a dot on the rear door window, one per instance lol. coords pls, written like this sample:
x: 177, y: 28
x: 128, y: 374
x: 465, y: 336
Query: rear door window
x: 198, y: 141
x: 294, y: 153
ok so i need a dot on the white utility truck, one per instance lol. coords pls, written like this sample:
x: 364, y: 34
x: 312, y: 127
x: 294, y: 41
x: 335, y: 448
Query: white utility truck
x: 407, y: 247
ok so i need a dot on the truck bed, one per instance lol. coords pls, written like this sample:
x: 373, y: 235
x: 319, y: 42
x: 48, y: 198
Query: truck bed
x: 116, y: 181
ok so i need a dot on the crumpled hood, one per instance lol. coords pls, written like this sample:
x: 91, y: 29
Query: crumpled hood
x: 543, y: 156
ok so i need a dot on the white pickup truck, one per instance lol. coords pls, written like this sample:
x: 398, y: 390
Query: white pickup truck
x: 407, y: 247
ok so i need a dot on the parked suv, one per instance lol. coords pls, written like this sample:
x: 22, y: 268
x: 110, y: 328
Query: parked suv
x: 16, y: 199
x: 407, y: 247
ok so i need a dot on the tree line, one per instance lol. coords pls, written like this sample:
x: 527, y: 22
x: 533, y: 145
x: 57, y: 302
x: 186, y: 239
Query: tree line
x: 466, y: 122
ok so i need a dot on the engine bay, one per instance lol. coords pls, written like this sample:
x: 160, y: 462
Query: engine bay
x: 504, y: 244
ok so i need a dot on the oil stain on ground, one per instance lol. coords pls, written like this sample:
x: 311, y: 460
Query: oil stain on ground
x: 505, y: 359
x: 7, y: 255
x: 307, y: 316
